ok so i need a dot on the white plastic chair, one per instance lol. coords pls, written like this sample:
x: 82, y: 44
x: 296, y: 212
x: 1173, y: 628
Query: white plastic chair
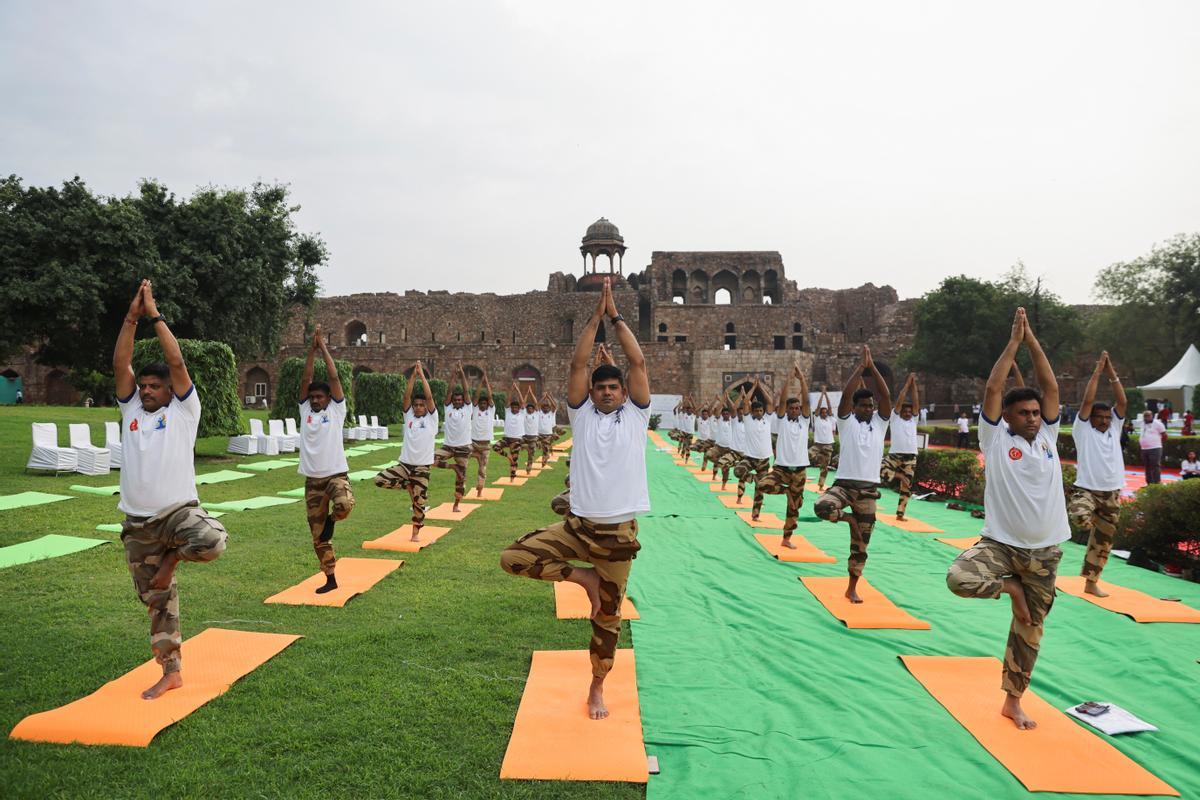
x: 356, y: 432
x: 244, y: 444
x: 46, y: 453
x: 368, y: 431
x: 289, y: 425
x: 267, y: 445
x: 287, y: 444
x: 112, y: 443
x: 380, y: 430
x: 91, y: 460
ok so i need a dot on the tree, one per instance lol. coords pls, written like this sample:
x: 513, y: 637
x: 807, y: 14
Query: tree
x: 380, y: 394
x: 214, y: 372
x: 226, y: 266
x: 287, y: 386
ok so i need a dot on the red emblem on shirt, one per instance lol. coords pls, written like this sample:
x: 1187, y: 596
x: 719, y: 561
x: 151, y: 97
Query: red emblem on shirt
x: 310, y: 417
x: 133, y: 425
x: 1014, y: 453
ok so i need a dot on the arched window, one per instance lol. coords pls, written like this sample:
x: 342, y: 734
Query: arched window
x: 662, y: 327
x: 528, y: 375
x: 356, y: 333
x: 796, y: 327
x: 729, y: 327
x: 258, y: 386
x: 730, y: 339
x: 722, y: 297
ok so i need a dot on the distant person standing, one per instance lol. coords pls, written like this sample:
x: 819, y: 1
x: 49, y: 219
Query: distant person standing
x: 1150, y: 437
x: 975, y: 412
x: 964, y: 430
x: 1188, y: 420
x: 20, y: 397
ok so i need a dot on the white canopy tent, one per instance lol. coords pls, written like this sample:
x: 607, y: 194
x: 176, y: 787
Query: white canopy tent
x: 1178, y: 384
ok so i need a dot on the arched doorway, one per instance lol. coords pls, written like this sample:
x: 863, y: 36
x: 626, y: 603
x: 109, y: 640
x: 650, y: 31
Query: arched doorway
x: 10, y: 384
x: 356, y: 333
x: 528, y: 375
x: 257, y: 387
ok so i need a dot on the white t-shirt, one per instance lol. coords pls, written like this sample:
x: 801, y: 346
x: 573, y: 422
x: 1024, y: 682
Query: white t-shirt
x: 321, y: 451
x: 791, y: 442
x: 904, y: 435
x: 1151, y: 435
x: 861, y: 449
x: 1100, y: 466
x: 822, y: 430
x: 964, y: 425
x: 608, y: 462
x: 758, y: 437
x: 686, y: 423
x: 737, y: 429
x: 531, y: 422
x: 419, y: 433
x: 704, y: 428
x: 157, y: 466
x: 1024, y: 492
x: 483, y: 423
x: 723, y: 432
x: 514, y: 424
x: 1189, y: 468
x: 458, y: 425
x: 545, y: 422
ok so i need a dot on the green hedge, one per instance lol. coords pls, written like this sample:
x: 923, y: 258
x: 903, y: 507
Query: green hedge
x: 953, y: 473
x: 380, y: 394
x: 287, y: 387
x: 1175, y: 448
x: 214, y: 371
x: 1158, y: 520
x: 1135, y: 402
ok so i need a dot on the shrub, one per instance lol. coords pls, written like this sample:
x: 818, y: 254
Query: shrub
x: 654, y: 420
x: 100, y: 387
x: 956, y: 473
x: 287, y: 386
x: 1135, y: 402
x: 500, y: 401
x: 380, y: 394
x: 214, y: 371
x: 947, y: 435
x: 1162, y: 524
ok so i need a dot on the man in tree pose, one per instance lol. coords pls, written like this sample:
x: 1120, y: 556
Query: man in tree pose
x: 685, y: 423
x: 900, y: 464
x: 483, y: 429
x: 704, y: 435
x: 722, y: 438
x: 164, y: 524
x: 561, y: 503
x: 1100, y: 474
x: 327, y: 495
x: 788, y: 475
x: 530, y: 437
x: 821, y: 452
x: 1018, y: 553
x: 737, y: 427
x: 455, y: 451
x: 756, y: 455
x: 608, y: 490
x: 416, y: 453
x: 861, y: 431
x: 546, y: 419
x: 514, y: 431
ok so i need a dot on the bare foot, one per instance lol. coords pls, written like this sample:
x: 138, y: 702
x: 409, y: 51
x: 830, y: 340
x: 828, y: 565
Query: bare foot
x: 1020, y: 609
x: 754, y: 516
x: 587, y: 578
x: 852, y: 590
x: 416, y: 537
x: 1012, y: 709
x: 788, y: 544
x: 595, y: 701
x: 172, y: 680
x: 166, y: 572
x: 1092, y: 587
x: 900, y: 517
x: 455, y: 509
x: 479, y: 491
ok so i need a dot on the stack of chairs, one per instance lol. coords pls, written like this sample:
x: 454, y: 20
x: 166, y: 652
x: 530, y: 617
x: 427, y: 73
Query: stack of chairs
x: 267, y: 445
x: 46, y: 453
x: 381, y: 430
x: 112, y: 443
x: 287, y: 442
x: 91, y: 460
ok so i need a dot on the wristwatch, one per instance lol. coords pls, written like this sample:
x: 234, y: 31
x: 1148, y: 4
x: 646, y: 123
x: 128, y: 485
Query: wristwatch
x: 159, y: 318
x: 616, y: 319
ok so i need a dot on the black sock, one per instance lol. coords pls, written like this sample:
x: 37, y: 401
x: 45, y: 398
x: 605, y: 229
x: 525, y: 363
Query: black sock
x: 327, y: 533
x: 330, y: 584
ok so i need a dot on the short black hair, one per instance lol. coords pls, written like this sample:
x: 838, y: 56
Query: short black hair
x: 607, y: 372
x: 791, y: 400
x: 1100, y: 407
x: 155, y: 369
x: 1021, y: 394
x: 319, y: 386
x: 756, y: 404
x: 906, y: 405
x: 861, y: 394
x: 457, y: 390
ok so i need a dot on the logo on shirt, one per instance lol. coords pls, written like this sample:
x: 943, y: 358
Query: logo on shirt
x: 1015, y: 454
x: 309, y: 420
x: 161, y: 425
x: 133, y: 425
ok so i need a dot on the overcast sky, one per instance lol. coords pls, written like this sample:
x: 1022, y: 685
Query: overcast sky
x: 462, y: 145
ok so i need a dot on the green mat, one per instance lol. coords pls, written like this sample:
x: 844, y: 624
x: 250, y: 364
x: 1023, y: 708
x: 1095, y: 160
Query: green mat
x: 115, y: 527
x: 363, y: 474
x: 49, y: 546
x: 749, y: 688
x: 292, y: 492
x: 263, y: 501
x: 383, y: 466
x: 357, y: 451
x: 22, y: 499
x: 221, y: 476
x: 264, y: 466
x: 107, y: 491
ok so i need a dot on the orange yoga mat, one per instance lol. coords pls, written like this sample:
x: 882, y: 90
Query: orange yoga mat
x: 446, y: 511
x: 695, y: 470
x: 765, y: 520
x: 1139, y: 605
x: 400, y: 540
x: 716, y: 487
x: 354, y: 576
x: 908, y: 524
x: 1059, y: 755
x: 876, y: 611
x: 805, y: 553
x: 553, y: 738
x: 507, y: 481
x: 704, y: 478
x: 962, y: 544
x: 571, y: 602
x: 564, y: 445
x: 116, y: 713
x: 489, y: 493
x: 732, y: 502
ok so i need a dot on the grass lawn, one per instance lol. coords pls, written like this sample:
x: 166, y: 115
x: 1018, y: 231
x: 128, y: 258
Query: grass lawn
x: 408, y: 691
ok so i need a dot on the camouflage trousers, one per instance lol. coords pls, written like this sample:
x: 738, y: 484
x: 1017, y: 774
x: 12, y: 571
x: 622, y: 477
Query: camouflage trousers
x: 546, y: 442
x: 561, y: 503
x: 1096, y: 513
x: 510, y: 449
x: 703, y: 446
x: 723, y: 458
x: 860, y: 497
x: 788, y: 481
x: 980, y: 572
x: 610, y: 549
x: 455, y: 457
x: 821, y: 455
x: 414, y: 478
x: 685, y: 442
x: 194, y: 536
x: 479, y: 451
x: 530, y: 444
x: 324, y: 498
x: 759, y: 467
x: 899, y: 468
